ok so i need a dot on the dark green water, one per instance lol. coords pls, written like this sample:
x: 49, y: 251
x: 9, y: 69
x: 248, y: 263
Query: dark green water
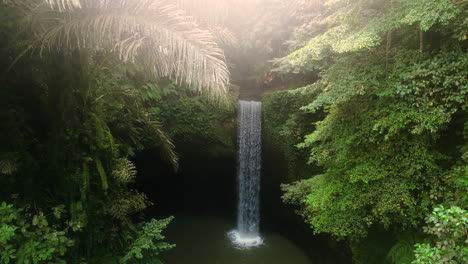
x: 204, y: 240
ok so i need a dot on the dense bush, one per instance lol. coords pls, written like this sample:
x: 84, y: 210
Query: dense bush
x: 31, y: 238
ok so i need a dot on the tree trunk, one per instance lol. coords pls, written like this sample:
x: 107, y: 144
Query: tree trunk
x: 421, y: 41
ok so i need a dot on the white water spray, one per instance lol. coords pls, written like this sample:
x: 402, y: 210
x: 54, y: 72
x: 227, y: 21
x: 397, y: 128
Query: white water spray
x: 250, y: 148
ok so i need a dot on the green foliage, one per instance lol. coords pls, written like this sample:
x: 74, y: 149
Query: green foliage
x: 193, y: 120
x: 374, y: 248
x: 450, y: 228
x: 392, y: 90
x: 69, y: 124
x: 368, y: 178
x: 148, y: 245
x: 356, y: 154
x: 126, y: 202
x: 428, y: 13
x: 133, y: 31
x: 285, y: 126
x: 30, y: 238
x: 124, y: 172
x: 401, y: 252
x: 72, y: 125
x: 431, y: 90
x: 377, y: 141
x: 383, y: 129
x: 363, y: 26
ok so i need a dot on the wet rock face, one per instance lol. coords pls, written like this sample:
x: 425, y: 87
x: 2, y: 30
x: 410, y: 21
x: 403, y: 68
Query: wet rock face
x: 250, y: 91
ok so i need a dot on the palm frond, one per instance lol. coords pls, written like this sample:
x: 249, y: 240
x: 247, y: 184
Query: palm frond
x: 161, y: 37
x: 133, y: 103
x: 209, y: 11
x: 168, y: 147
x: 224, y: 36
x: 64, y: 4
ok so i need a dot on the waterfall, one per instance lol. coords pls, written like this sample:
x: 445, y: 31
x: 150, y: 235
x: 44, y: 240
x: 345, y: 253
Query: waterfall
x: 249, y: 158
x: 249, y: 168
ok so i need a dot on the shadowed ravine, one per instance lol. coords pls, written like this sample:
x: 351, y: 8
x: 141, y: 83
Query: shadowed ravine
x: 212, y: 208
x: 210, y: 239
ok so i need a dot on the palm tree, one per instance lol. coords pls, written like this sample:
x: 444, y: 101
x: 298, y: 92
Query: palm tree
x: 156, y: 34
x: 153, y: 33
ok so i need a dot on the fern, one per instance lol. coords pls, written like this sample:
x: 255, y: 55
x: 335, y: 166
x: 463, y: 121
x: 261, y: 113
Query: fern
x: 126, y: 203
x: 8, y: 164
x: 129, y: 203
x: 148, y: 245
x: 401, y: 252
x: 125, y: 171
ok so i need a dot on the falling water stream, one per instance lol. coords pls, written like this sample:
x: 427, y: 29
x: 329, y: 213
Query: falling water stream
x: 249, y: 157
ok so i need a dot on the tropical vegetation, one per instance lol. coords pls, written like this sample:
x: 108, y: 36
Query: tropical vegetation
x: 364, y: 100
